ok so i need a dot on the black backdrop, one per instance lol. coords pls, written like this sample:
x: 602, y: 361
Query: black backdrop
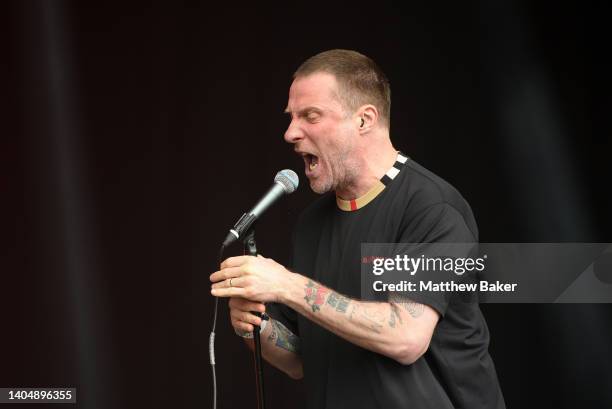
x: 135, y: 134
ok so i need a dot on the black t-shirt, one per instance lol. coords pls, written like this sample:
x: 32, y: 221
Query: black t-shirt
x: 416, y: 206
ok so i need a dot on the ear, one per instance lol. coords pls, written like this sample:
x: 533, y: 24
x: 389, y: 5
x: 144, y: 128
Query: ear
x: 366, y: 118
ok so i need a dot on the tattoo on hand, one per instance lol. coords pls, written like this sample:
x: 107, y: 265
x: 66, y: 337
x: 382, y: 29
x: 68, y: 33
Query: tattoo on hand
x: 283, y: 338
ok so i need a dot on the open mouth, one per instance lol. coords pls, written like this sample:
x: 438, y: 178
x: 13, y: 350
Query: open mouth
x: 312, y: 161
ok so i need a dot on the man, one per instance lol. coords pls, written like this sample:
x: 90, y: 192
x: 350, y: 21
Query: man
x: 424, y: 352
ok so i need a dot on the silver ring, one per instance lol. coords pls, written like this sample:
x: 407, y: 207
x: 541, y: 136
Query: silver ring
x: 230, y: 282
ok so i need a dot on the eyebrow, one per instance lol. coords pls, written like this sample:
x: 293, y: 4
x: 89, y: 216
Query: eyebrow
x: 304, y: 111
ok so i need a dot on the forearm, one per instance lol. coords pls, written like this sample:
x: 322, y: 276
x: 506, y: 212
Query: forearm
x: 388, y: 328
x: 281, y: 348
x: 401, y: 330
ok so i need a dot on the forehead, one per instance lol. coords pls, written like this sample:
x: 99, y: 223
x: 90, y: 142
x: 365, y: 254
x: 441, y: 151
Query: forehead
x: 318, y: 90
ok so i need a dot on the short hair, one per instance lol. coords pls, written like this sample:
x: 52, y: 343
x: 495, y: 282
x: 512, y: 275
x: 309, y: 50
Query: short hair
x: 360, y: 79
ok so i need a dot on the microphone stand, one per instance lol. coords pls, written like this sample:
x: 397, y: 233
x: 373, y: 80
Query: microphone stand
x: 250, y: 248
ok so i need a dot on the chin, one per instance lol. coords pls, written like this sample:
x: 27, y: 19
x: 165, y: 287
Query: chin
x: 319, y: 187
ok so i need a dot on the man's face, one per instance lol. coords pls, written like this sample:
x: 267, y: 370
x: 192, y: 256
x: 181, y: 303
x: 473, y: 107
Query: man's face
x: 321, y: 131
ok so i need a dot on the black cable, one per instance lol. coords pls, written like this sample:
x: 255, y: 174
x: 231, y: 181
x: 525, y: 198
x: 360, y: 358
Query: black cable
x: 211, y: 339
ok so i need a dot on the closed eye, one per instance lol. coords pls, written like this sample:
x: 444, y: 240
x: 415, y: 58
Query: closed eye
x: 312, y: 115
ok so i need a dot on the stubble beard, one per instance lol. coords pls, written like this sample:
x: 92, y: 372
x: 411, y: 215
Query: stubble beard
x: 340, y: 176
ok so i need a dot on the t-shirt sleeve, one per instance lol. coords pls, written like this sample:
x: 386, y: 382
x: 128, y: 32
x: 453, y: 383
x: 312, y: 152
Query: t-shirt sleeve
x: 438, y: 223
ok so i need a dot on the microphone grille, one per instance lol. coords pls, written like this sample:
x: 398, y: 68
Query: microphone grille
x: 288, y: 179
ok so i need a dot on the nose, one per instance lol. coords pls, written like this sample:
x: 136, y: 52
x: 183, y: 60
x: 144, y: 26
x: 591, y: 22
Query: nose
x: 293, y: 134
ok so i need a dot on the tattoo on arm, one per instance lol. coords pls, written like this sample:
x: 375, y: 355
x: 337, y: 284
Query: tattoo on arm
x: 318, y: 295
x: 315, y: 295
x: 283, y: 338
x: 371, y: 316
x: 339, y: 302
x: 414, y: 308
x: 395, y: 315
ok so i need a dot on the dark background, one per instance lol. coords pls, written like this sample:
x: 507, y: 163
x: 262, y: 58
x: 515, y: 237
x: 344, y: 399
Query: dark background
x: 133, y: 136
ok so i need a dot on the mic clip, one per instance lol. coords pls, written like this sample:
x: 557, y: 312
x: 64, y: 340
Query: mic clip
x: 242, y: 226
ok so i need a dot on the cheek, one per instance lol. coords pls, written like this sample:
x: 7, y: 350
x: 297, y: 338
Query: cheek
x: 340, y: 144
x: 335, y: 138
x: 331, y: 140
x: 321, y: 137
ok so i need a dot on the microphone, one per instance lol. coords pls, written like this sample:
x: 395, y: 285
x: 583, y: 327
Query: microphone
x: 285, y: 182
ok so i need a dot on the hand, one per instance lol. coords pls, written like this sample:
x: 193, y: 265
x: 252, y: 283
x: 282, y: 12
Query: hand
x: 240, y: 314
x: 254, y: 278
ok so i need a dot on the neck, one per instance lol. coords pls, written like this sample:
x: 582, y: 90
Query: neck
x: 372, y: 164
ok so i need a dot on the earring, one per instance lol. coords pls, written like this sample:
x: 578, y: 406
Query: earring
x: 362, y: 122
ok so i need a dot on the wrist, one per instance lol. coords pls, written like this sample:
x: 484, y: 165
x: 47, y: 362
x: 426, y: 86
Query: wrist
x: 292, y: 290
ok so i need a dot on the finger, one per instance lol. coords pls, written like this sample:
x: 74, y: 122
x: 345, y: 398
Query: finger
x: 243, y: 326
x: 246, y: 305
x: 226, y: 273
x: 227, y: 292
x: 234, y: 261
x: 237, y: 282
x: 256, y: 306
x: 249, y: 306
x: 245, y: 316
x: 222, y: 284
x: 229, y: 283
